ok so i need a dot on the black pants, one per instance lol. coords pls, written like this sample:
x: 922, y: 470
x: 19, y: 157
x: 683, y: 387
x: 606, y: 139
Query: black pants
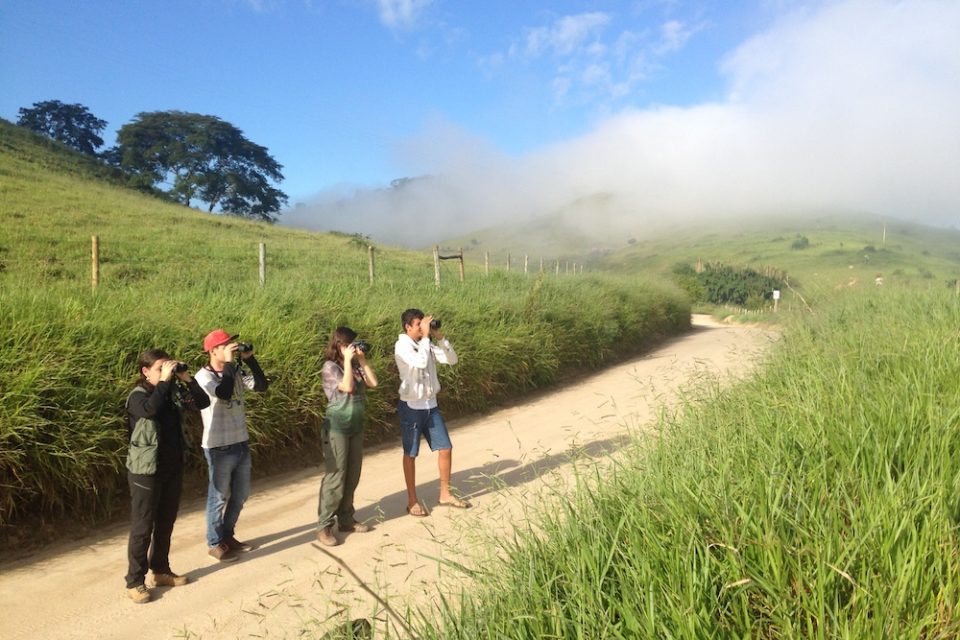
x: 154, y: 502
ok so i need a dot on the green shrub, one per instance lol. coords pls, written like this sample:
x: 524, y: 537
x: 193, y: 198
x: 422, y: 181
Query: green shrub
x: 723, y: 284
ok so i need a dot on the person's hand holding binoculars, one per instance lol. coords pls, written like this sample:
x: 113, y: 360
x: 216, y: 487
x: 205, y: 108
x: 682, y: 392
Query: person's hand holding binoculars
x: 425, y: 326
x: 170, y: 367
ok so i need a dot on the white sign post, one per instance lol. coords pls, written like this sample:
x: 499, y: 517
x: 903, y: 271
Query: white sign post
x: 776, y: 299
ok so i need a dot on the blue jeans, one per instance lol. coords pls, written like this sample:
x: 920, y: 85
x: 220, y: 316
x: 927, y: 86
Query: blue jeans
x: 229, y: 473
x: 427, y: 423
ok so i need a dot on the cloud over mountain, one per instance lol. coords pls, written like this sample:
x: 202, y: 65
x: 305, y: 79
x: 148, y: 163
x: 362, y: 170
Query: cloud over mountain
x: 849, y: 105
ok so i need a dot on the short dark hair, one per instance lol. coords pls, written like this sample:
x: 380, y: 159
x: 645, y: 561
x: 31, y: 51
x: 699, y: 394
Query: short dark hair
x: 341, y: 337
x: 408, y: 316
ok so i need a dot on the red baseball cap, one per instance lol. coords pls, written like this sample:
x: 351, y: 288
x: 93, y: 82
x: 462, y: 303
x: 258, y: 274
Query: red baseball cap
x: 216, y: 338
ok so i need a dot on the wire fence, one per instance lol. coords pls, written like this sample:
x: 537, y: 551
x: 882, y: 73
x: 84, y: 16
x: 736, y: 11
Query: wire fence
x: 129, y: 267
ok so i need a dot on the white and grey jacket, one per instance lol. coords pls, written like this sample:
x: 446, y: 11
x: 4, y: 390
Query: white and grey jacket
x: 417, y: 364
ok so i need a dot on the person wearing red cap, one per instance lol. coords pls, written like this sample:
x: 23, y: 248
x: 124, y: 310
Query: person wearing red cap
x: 226, y: 442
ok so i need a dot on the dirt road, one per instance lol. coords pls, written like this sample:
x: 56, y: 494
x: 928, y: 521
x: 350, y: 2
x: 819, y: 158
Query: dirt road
x: 503, y: 462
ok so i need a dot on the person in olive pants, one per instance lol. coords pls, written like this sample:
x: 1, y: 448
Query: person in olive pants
x: 346, y: 377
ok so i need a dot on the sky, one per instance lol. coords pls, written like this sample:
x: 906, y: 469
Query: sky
x: 491, y: 111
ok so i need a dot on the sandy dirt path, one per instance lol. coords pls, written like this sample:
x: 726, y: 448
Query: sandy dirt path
x: 504, y: 461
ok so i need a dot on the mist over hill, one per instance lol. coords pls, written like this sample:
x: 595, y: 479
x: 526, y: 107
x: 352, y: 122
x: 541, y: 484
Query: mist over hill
x: 813, y: 119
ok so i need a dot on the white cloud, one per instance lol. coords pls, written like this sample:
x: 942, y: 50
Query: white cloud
x: 673, y: 36
x: 566, y: 35
x: 582, y: 44
x: 401, y: 14
x: 263, y: 6
x: 852, y: 105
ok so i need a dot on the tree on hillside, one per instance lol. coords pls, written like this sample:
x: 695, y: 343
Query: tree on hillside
x: 71, y: 124
x: 200, y: 157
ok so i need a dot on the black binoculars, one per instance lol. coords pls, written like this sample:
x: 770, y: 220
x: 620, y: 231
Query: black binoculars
x: 361, y: 345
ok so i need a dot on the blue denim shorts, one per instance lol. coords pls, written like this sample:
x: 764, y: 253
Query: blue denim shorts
x: 422, y: 422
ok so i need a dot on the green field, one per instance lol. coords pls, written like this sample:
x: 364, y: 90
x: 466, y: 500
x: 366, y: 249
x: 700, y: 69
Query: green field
x: 170, y: 274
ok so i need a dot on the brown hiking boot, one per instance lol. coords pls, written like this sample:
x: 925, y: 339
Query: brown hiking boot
x: 139, y: 594
x: 325, y: 537
x: 356, y: 527
x: 235, y: 545
x: 221, y: 553
x: 169, y: 580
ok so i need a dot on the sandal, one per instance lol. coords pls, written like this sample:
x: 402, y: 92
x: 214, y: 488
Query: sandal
x: 456, y: 503
x: 417, y: 511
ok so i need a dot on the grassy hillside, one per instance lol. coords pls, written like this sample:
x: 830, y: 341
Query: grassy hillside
x: 169, y: 274
x: 842, y: 250
x: 820, y: 254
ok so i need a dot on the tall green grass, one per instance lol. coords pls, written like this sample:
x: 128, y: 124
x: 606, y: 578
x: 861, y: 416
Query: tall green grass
x: 68, y: 359
x: 816, y: 500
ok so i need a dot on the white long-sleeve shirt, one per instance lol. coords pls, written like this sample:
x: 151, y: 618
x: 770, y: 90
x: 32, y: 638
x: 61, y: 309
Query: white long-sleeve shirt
x: 417, y: 364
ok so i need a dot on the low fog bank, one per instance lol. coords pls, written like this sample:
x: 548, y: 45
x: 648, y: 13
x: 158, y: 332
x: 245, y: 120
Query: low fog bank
x: 849, y: 106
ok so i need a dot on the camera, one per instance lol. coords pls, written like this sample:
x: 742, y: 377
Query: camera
x: 361, y: 345
x: 435, y: 323
x: 181, y: 367
x: 244, y: 347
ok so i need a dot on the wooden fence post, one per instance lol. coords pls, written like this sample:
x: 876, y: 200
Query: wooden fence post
x: 541, y: 264
x: 436, y: 265
x: 370, y: 261
x: 558, y: 267
x: 263, y: 263
x: 508, y: 262
x: 486, y: 263
x: 525, y: 259
x: 461, y: 264
x: 95, y: 261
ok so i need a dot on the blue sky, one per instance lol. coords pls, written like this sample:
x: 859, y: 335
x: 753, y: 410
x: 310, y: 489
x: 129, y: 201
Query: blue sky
x: 329, y: 87
x: 508, y: 101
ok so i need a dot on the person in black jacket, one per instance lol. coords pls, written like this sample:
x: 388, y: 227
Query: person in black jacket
x: 155, y: 467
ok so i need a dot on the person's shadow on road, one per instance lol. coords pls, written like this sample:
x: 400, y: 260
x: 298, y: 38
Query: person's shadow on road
x: 474, y: 483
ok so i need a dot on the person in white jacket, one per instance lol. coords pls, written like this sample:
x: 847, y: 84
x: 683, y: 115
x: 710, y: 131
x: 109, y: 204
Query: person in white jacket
x: 417, y: 359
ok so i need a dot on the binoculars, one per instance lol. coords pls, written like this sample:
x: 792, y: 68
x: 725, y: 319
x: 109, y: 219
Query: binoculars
x: 361, y: 345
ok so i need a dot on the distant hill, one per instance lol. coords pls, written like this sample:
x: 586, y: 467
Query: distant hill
x: 820, y: 253
x: 821, y: 250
